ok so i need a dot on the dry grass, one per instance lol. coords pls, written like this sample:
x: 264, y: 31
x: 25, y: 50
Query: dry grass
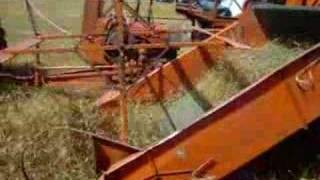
x: 31, y: 120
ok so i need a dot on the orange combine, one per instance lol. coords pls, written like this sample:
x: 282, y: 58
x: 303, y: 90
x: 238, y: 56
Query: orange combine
x: 226, y: 137
x: 244, y: 127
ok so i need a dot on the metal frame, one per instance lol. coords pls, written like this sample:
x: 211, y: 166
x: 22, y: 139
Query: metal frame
x: 39, y: 77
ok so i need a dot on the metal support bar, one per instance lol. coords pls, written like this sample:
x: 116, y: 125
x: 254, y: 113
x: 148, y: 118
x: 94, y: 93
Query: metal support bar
x: 37, y: 74
x: 76, y: 36
x: 123, y: 88
x: 110, y: 47
x: 16, y: 77
x: 80, y: 75
x: 224, y: 39
x: 77, y: 67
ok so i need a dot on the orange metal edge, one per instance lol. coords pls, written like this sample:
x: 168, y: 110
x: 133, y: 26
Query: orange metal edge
x: 108, y: 152
x: 225, y: 132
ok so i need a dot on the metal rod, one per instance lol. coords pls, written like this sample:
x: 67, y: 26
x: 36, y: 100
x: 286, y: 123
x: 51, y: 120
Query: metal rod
x: 165, y: 45
x: 215, y: 9
x: 224, y: 39
x: 37, y: 73
x: 58, y: 36
x: 16, y: 77
x: 110, y: 47
x: 134, y: 13
x: 166, y: 18
x: 42, y: 50
x: 77, y: 67
x: 79, y: 75
x: 32, y: 18
x: 138, y: 8
x: 123, y: 88
x: 233, y: 43
x: 150, y: 13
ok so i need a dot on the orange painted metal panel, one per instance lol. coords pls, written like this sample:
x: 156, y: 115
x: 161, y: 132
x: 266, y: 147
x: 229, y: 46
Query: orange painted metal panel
x: 294, y: 2
x: 250, y: 29
x: 92, y: 11
x: 92, y: 24
x: 303, y: 2
x: 233, y: 134
x: 108, y: 152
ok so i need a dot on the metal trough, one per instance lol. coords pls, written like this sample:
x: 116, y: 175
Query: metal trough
x: 231, y: 135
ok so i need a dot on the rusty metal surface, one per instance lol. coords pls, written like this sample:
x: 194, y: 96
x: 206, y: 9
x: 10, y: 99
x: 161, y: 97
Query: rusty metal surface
x: 236, y: 132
